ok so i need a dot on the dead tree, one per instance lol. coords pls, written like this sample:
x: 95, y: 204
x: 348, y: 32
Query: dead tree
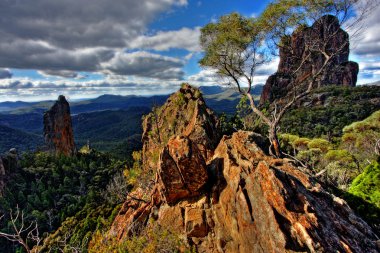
x: 23, y: 233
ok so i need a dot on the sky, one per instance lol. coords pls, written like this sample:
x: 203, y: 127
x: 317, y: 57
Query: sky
x: 86, y: 48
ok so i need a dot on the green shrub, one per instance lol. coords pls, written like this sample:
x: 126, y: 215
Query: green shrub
x: 319, y: 143
x: 367, y: 184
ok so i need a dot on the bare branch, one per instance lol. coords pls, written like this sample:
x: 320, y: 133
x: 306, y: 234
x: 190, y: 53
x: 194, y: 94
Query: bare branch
x: 19, y: 231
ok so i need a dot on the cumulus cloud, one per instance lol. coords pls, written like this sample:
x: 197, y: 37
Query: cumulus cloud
x: 72, y: 35
x: 5, y: 73
x: 144, y: 64
x: 367, y: 42
x: 205, y: 76
x: 209, y: 77
x: 184, y: 38
x: 61, y: 73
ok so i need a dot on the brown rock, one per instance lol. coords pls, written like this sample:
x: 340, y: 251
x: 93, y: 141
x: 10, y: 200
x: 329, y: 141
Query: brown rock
x: 132, y: 216
x: 269, y: 206
x: 184, y: 113
x: 339, y: 72
x: 58, y: 131
x: 182, y: 169
x: 256, y: 204
x: 195, y: 222
x: 239, y: 199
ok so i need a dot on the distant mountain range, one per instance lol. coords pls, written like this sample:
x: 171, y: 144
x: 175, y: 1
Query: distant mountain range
x: 107, y: 121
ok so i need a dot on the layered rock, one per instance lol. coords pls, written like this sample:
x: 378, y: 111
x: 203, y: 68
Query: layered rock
x: 267, y: 205
x: 58, y: 130
x: 240, y: 200
x: 182, y: 169
x: 293, y: 70
x: 184, y: 113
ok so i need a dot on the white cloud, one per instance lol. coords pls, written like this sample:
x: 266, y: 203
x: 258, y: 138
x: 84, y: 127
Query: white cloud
x: 209, y: 77
x: 367, y: 42
x: 184, y: 38
x: 144, y: 64
x: 35, y: 90
x: 61, y: 73
x: 72, y: 35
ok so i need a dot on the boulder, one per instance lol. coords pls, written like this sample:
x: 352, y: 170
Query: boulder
x: 58, y: 130
x: 182, y: 169
x: 340, y: 71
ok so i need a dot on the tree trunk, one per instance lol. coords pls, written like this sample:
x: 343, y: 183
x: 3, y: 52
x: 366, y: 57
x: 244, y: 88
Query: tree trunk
x: 274, y: 148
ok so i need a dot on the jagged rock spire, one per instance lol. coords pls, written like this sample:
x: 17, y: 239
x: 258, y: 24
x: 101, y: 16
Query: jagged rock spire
x: 58, y: 130
x: 294, y: 67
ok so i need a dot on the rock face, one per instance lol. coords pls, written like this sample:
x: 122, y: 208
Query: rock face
x: 182, y: 169
x: 241, y: 200
x: 269, y: 206
x: 184, y: 113
x: 58, y: 130
x: 340, y: 71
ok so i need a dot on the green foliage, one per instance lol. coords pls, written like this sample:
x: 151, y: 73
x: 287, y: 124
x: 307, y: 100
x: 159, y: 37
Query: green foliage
x: 53, y: 190
x: 319, y: 143
x: 301, y: 144
x: 340, y: 107
x: 361, y: 137
x: 180, y: 100
x: 154, y: 238
x: 364, y: 195
x: 367, y: 184
x: 230, y: 124
x: 229, y: 37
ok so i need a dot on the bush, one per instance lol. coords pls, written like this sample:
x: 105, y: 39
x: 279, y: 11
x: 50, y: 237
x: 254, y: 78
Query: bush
x: 367, y: 184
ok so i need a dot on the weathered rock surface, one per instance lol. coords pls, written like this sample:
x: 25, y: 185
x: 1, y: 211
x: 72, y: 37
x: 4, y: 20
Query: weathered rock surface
x: 58, y: 130
x: 269, y: 206
x: 182, y: 169
x: 241, y: 200
x: 184, y: 113
x: 339, y: 72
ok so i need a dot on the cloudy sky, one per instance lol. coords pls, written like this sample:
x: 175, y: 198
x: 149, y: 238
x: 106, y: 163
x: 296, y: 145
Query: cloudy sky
x: 86, y: 48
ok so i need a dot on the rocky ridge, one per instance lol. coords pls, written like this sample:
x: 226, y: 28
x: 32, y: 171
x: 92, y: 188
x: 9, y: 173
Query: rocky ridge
x: 235, y: 198
x: 340, y: 70
x: 58, y: 130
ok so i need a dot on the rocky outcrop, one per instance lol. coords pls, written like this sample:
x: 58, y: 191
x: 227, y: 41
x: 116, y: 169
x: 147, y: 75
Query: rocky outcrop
x: 305, y: 41
x: 240, y: 200
x: 267, y: 205
x: 184, y: 113
x: 182, y: 169
x: 58, y: 130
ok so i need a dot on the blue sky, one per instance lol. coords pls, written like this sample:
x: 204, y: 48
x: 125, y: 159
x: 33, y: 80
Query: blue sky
x: 87, y: 48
